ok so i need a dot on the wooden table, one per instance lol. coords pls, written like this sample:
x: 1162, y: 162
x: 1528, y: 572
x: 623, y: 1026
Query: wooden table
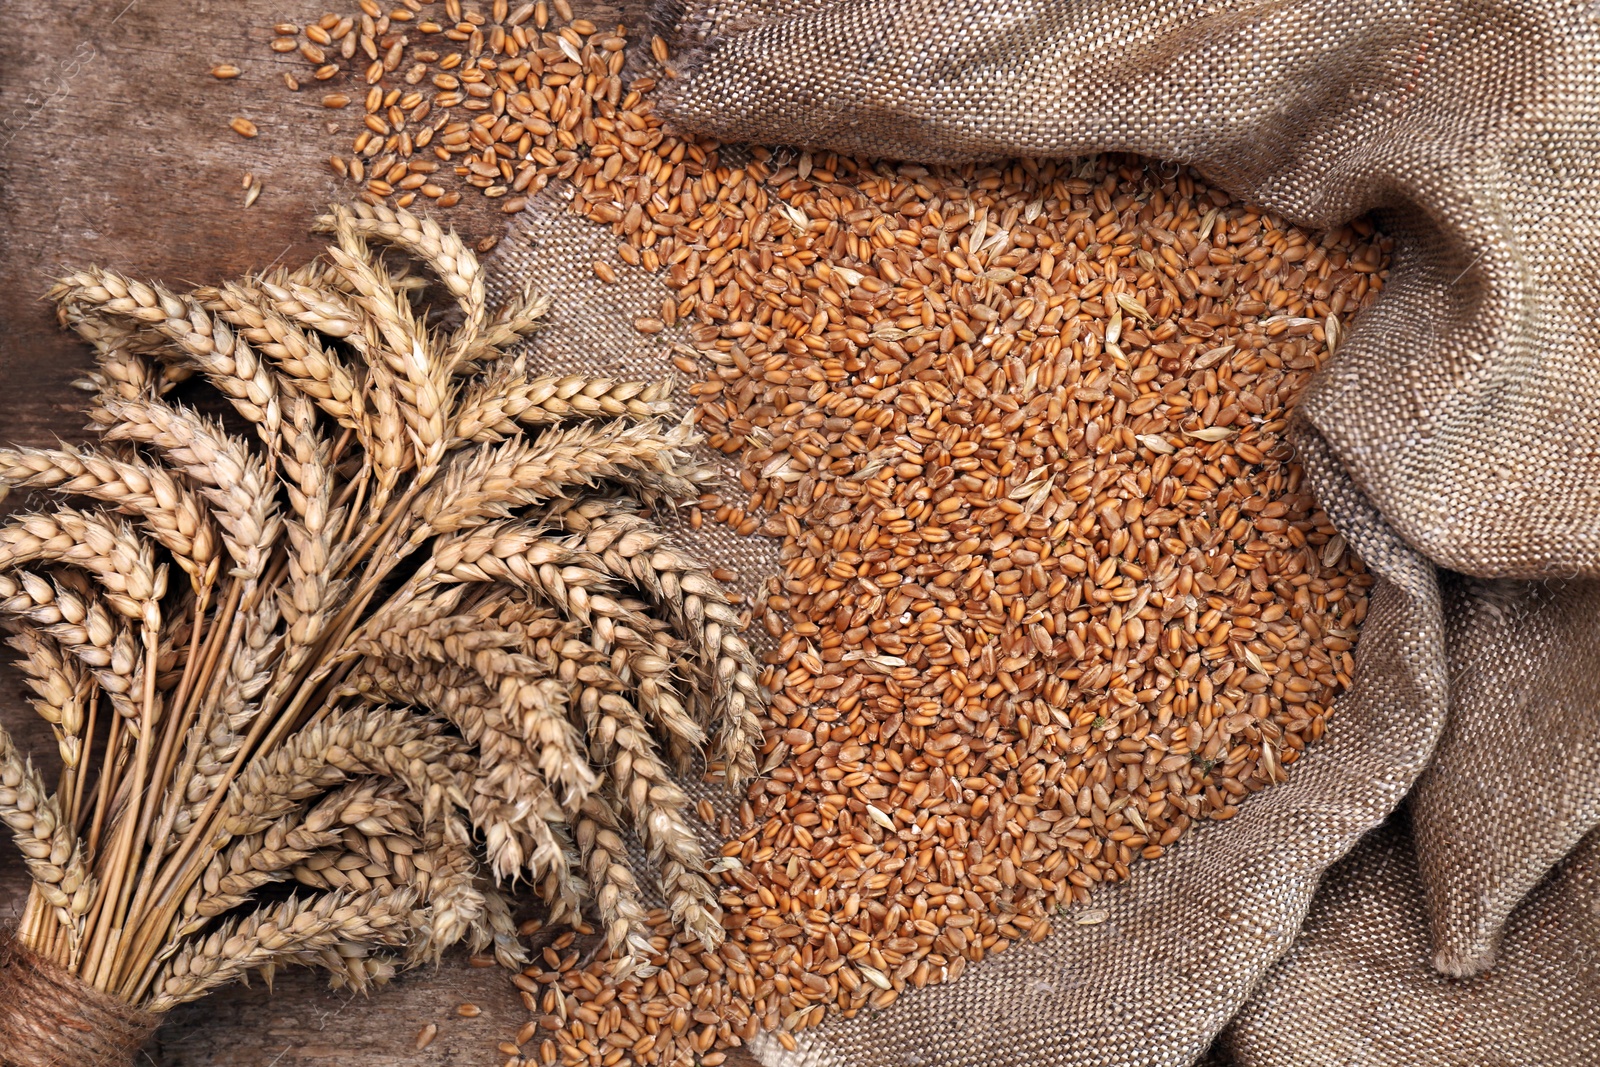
x: 115, y: 150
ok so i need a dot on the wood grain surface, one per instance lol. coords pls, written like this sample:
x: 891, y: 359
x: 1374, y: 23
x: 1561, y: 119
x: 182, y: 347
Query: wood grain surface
x: 115, y: 150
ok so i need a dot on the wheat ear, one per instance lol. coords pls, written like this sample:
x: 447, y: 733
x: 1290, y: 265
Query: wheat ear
x: 49, y: 846
x: 632, y: 547
x: 509, y: 398
x: 647, y: 792
x: 397, y: 350
x: 120, y: 560
x: 226, y: 359
x: 451, y: 261
x: 60, y: 684
x: 295, y: 349
x: 85, y: 628
x: 276, y: 932
x: 533, y: 705
x: 624, y: 920
x: 509, y: 801
x: 171, y: 512
x: 493, y: 481
x: 238, y: 483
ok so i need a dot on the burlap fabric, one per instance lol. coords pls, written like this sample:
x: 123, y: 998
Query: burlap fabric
x: 1458, y: 431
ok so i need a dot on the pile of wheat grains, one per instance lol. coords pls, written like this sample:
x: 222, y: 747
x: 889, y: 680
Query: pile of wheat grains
x: 1053, y: 588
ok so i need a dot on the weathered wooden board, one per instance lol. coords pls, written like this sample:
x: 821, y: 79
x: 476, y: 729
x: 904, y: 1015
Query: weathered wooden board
x: 115, y: 149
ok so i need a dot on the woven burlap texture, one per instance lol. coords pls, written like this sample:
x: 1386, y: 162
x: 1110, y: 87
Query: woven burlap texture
x: 1458, y: 430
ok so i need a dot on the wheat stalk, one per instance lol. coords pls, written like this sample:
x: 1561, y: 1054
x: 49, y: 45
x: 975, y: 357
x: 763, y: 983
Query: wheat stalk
x: 406, y: 670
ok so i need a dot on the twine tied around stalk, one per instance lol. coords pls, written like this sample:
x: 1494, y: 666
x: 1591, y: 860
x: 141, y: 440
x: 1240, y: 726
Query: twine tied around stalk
x: 53, y: 1019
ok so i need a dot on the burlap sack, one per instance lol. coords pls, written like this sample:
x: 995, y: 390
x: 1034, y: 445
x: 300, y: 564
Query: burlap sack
x: 1458, y: 429
x: 1356, y: 987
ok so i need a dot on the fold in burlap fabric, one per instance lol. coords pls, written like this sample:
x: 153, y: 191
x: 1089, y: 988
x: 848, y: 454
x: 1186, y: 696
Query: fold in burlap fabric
x: 1356, y: 987
x: 1458, y: 430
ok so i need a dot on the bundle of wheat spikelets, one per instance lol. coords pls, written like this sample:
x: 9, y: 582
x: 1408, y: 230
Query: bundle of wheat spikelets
x: 421, y: 641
